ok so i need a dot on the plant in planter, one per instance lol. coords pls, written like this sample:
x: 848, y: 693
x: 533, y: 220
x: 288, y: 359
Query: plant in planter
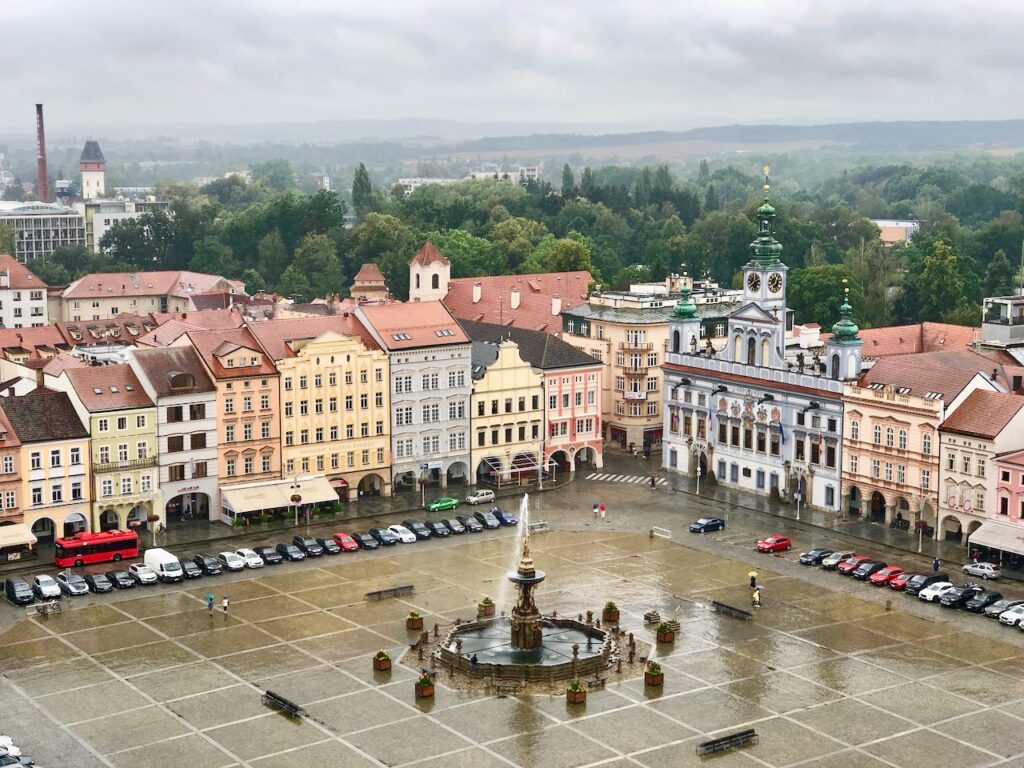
x: 425, y: 687
x: 665, y: 633
x: 486, y: 607
x: 413, y: 621
x: 653, y: 674
x: 576, y: 693
x: 381, y: 661
x: 610, y: 613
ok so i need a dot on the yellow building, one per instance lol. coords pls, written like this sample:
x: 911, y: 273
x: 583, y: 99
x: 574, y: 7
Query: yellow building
x: 121, y: 419
x: 507, y: 415
x: 334, y: 402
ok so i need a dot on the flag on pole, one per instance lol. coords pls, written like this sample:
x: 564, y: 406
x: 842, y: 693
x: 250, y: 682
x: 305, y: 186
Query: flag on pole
x: 782, y: 432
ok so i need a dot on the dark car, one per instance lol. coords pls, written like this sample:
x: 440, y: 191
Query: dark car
x: 421, y: 531
x: 487, y: 519
x: 957, y: 597
x: 850, y: 564
x: 707, y: 524
x: 812, y: 556
x: 454, y: 525
x: 383, y: 536
x: 208, y: 564
x: 268, y: 555
x: 290, y: 552
x: 865, y: 569
x: 190, y: 570
x: 980, y: 602
x: 1000, y: 606
x: 470, y: 523
x: 922, y: 580
x: 365, y: 541
x: 98, y: 583
x: 505, y: 517
x: 120, y: 579
x: 437, y: 528
x: 19, y: 592
x: 308, y: 545
x: 329, y: 546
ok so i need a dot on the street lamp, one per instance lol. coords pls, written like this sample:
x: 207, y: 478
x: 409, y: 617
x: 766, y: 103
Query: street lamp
x: 798, y: 496
x: 296, y: 498
x: 700, y: 471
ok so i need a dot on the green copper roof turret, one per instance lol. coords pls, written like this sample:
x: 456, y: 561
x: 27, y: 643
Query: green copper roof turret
x: 766, y: 250
x: 685, y: 309
x: 845, y: 331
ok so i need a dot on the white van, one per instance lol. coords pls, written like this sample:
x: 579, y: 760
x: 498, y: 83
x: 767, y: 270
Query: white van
x: 164, y: 565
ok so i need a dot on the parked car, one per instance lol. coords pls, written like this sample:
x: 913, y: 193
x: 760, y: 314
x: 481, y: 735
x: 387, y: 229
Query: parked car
x: 934, y: 591
x: 982, y: 600
x: 190, y: 570
x: 418, y: 528
x: 852, y: 563
x: 774, y: 544
x: 142, y: 574
x: 957, y: 597
x: 250, y: 558
x: 899, y: 583
x: 984, y: 570
x: 487, y: 520
x: 403, y: 534
x: 437, y: 528
x: 707, y: 524
x: 831, y: 562
x: 269, y: 555
x: 885, y: 575
x: 208, y: 564
x: 470, y: 523
x: 18, y: 591
x: 365, y: 541
x: 454, y: 525
x: 866, y: 569
x: 346, y: 542
x: 445, y: 502
x: 1012, y: 616
x: 383, y: 536
x: 98, y: 583
x: 480, y: 496
x: 72, y: 584
x: 923, y: 580
x: 329, y: 546
x: 45, y: 587
x: 1000, y: 606
x: 290, y: 552
x: 505, y: 517
x: 231, y: 561
x: 308, y: 545
x: 120, y: 579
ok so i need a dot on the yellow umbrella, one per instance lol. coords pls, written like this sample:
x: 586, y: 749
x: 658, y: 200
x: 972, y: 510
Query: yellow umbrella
x: 752, y: 573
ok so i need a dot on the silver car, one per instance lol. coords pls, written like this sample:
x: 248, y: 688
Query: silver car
x: 72, y: 584
x: 985, y: 570
x: 45, y: 587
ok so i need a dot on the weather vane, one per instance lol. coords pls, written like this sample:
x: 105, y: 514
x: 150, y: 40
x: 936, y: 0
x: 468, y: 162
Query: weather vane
x: 766, y: 185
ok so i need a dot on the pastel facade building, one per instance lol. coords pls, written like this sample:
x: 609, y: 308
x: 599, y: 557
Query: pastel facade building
x: 10, y: 472
x: 22, y: 295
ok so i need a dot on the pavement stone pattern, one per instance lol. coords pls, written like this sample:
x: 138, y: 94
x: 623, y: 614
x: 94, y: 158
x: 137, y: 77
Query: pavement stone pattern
x: 824, y: 673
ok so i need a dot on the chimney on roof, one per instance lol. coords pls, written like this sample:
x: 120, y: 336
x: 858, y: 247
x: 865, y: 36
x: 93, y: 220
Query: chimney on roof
x: 477, y: 292
x: 995, y: 374
x: 514, y: 303
x: 556, y: 305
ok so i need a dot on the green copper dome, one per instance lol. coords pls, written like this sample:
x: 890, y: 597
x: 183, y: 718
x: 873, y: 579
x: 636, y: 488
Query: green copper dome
x: 685, y: 309
x: 845, y: 330
x: 766, y: 250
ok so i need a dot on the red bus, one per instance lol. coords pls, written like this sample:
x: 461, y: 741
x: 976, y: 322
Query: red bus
x: 84, y: 548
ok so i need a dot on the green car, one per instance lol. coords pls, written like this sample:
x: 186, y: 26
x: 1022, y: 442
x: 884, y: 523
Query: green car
x: 445, y: 502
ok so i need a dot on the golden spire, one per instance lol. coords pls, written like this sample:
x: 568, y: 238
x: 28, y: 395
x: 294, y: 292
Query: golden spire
x: 767, y: 186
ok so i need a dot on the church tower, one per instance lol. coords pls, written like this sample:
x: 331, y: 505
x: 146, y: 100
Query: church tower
x: 93, y: 166
x: 429, y: 273
x: 844, y: 347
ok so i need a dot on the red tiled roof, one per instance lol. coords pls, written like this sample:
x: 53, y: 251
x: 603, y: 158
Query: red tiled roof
x: 751, y: 381
x: 983, y: 414
x: 427, y: 255
x: 173, y: 283
x: 10, y: 439
x: 535, y: 299
x: 946, y: 373
x: 369, y: 273
x: 107, y: 387
x: 208, y: 319
x: 425, y: 323
x: 205, y: 342
x: 18, y: 274
x: 274, y: 335
x: 907, y: 339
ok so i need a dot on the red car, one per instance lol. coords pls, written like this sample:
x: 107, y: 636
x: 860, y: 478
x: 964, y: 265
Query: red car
x: 850, y: 564
x: 774, y: 544
x: 899, y: 583
x: 884, y: 576
x: 346, y: 542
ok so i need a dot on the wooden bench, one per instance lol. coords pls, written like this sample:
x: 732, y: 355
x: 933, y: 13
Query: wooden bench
x: 380, y: 594
x: 672, y: 624
x: 597, y: 682
x: 539, y: 527
x: 736, y: 613
x: 730, y: 741
x: 505, y: 687
x: 279, y: 702
x: 652, y: 617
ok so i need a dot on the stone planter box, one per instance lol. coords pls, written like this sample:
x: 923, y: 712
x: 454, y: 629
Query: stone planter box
x: 381, y: 665
x: 667, y: 636
x: 610, y: 617
x: 652, y: 679
x: 414, y: 624
x: 424, y: 690
x: 485, y: 609
x: 576, y: 697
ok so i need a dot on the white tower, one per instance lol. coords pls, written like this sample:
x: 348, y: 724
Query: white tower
x: 429, y: 273
x: 93, y: 166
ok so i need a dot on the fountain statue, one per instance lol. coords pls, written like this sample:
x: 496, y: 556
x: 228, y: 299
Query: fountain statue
x: 526, y: 624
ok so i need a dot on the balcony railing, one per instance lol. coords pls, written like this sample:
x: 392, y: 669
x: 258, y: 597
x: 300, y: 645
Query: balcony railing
x: 120, y: 466
x: 638, y: 346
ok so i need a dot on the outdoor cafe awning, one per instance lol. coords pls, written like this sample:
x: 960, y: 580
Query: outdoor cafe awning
x: 996, y: 535
x: 15, y: 535
x: 278, y: 493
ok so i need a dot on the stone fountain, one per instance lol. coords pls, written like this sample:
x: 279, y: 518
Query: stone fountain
x: 526, y: 619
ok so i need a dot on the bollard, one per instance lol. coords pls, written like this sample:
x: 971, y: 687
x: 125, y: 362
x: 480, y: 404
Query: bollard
x: 590, y: 618
x: 632, y: 651
x: 632, y: 641
x: 888, y: 605
x: 436, y: 630
x: 618, y: 665
x: 419, y: 651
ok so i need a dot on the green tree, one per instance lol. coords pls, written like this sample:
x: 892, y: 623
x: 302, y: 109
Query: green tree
x: 50, y: 271
x: 568, y: 182
x: 516, y: 238
x: 570, y: 254
x: 999, y: 276
x: 7, y: 239
x: 388, y: 241
x: 873, y: 270
x: 815, y: 293
x: 703, y: 173
x: 271, y: 257
x: 362, y: 191
x: 214, y: 258
x: 317, y: 262
x: 253, y: 281
x: 469, y: 255
x: 940, y: 286
x: 711, y: 201
x: 276, y: 175
x: 588, y: 185
x: 324, y: 211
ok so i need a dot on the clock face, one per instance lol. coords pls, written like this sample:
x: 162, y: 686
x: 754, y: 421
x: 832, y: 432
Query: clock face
x: 774, y: 282
x: 754, y: 281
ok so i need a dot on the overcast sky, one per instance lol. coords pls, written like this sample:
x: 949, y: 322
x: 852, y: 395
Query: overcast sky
x: 667, y: 64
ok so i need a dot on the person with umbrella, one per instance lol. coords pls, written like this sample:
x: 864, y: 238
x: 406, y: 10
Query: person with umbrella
x: 753, y: 579
x: 209, y: 604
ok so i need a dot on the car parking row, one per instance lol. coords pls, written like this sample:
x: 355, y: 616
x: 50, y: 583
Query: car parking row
x: 159, y: 565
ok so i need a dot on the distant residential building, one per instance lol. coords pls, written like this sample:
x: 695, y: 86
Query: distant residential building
x: 22, y: 295
x: 1004, y: 530
x: 40, y: 228
x: 410, y: 185
x: 892, y: 231
x: 10, y: 473
x: 92, y: 166
x: 323, y: 181
x: 102, y: 215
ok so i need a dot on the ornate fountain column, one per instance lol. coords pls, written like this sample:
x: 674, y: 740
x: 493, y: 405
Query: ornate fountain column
x: 525, y: 621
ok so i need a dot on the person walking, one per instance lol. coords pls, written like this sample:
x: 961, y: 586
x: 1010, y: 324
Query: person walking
x: 753, y: 581
x: 224, y: 600
x: 597, y: 510
x: 654, y: 483
x: 602, y: 510
x: 935, y: 565
x: 756, y: 598
x: 473, y: 663
x: 209, y: 604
